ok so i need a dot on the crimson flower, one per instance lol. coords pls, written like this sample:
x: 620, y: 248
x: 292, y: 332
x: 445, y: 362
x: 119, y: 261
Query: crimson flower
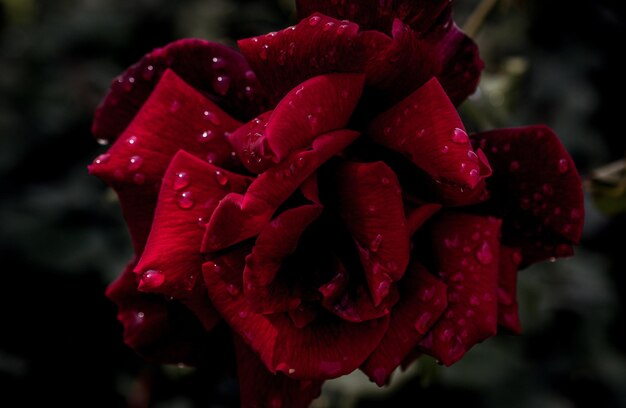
x: 315, y: 201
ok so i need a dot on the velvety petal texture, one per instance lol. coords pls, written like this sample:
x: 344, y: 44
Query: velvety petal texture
x: 313, y: 205
x: 535, y: 189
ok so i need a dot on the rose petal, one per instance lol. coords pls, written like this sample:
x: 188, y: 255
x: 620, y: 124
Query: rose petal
x: 426, y: 128
x: 318, y: 105
x: 261, y: 388
x: 323, y: 349
x: 275, y: 242
x: 191, y: 189
x: 317, y: 45
x: 379, y: 15
x: 161, y: 331
x: 220, y: 73
x: 239, y: 217
x: 422, y: 301
x: 417, y: 216
x: 370, y: 204
x: 136, y: 162
x: 535, y: 189
x: 347, y: 296
x: 508, y: 316
x: 466, y: 252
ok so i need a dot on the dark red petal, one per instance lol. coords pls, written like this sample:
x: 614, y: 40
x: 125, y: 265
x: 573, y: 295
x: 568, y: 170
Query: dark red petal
x: 370, y: 203
x: 417, y: 216
x: 161, y: 331
x: 220, y: 73
x: 426, y: 128
x: 397, y: 67
x: 460, y: 62
x: 422, y: 301
x: 535, y: 189
x: 466, y: 250
x: 316, y: 106
x: 136, y: 162
x: 191, y: 189
x: 347, y: 296
x: 317, y: 45
x: 259, y: 388
x: 508, y: 316
x: 379, y: 15
x: 239, y: 217
x: 325, y: 348
x: 275, y: 242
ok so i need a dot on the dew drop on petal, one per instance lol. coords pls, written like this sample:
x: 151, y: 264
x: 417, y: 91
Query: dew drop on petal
x: 263, y: 52
x: 139, y: 178
x: 459, y: 136
x: 103, y: 158
x: 221, y: 84
x: 212, y: 117
x: 132, y: 140
x: 563, y: 166
x: 514, y: 165
x: 421, y: 324
x: 135, y: 163
x: 181, y: 181
x: 233, y: 290
x: 445, y: 149
x: 314, y: 20
x: 221, y: 178
x: 376, y: 242
x: 185, y: 200
x: 205, y: 136
x: 151, y: 279
x: 484, y: 254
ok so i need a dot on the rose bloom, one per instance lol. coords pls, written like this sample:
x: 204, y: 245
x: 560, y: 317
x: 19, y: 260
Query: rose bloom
x: 313, y: 205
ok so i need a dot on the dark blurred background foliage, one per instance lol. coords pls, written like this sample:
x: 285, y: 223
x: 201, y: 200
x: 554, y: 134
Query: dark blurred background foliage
x: 62, y: 238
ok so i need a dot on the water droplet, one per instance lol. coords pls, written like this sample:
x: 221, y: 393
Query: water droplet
x: 371, y: 208
x: 426, y: 294
x: 563, y: 166
x: 211, y: 158
x: 103, y: 158
x: 472, y: 156
x: 218, y: 63
x: 547, y: 189
x: 221, y: 84
x: 135, y: 163
x: 174, y: 106
x: 420, y: 133
x: 457, y: 277
x: 376, y: 242
x: 474, y: 301
x: 263, y: 52
x: 221, y: 178
x: 383, y: 289
x: 233, y: 290
x: 132, y: 140
x: 484, y: 254
x: 421, y: 324
x: 102, y: 142
x: 344, y: 94
x: 139, y: 178
x: 185, y: 200
x: 385, y: 181
x: 140, y: 315
x: 446, y: 335
x: 328, y: 26
x: 514, y: 166
x: 473, y: 177
x: 314, y: 20
x: 148, y: 73
x: 212, y: 117
x: 451, y: 242
x: 312, y: 122
x: 243, y: 314
x: 445, y: 149
x: 299, y: 91
x: 181, y: 181
x: 459, y: 136
x: 341, y: 29
x: 151, y: 279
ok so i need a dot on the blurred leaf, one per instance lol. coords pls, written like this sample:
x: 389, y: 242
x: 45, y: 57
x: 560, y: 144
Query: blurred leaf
x: 608, y: 188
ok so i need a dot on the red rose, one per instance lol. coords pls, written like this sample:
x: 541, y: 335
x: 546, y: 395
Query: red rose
x: 319, y: 194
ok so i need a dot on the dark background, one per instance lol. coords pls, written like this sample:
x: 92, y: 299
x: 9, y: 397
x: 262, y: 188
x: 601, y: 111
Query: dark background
x: 62, y: 238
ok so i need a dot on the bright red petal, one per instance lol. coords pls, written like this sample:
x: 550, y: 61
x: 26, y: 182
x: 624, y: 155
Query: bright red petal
x: 422, y: 301
x: 317, y: 45
x: 316, y: 106
x: 260, y: 388
x: 508, y: 316
x: 370, y: 203
x: 161, y: 331
x: 325, y: 348
x: 466, y: 252
x: 239, y: 217
x: 220, y: 73
x: 136, y: 162
x: 535, y: 189
x: 426, y: 128
x: 191, y: 189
